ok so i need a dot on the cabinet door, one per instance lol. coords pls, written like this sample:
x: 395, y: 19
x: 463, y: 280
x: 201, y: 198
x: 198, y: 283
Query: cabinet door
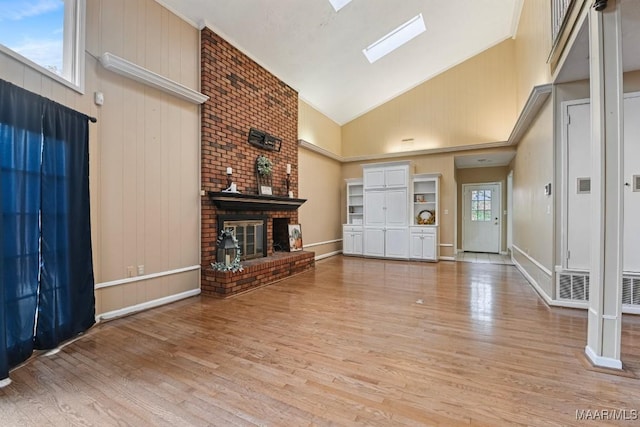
x: 396, y: 207
x: 374, y: 178
x: 374, y: 242
x: 429, y: 246
x: 416, y: 245
x: 395, y: 177
x: 357, y: 244
x: 347, y: 243
x: 374, y: 202
x: 397, y: 243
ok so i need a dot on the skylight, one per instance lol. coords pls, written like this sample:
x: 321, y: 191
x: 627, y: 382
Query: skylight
x: 396, y: 38
x: 339, y: 4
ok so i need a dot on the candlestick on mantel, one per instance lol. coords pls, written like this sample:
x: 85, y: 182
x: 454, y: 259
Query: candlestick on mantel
x: 229, y: 180
x: 288, y: 168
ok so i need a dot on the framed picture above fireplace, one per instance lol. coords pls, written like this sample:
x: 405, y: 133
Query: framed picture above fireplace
x: 295, y: 237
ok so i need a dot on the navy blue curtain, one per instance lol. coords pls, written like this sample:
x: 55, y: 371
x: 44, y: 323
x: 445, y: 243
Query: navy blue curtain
x: 20, y: 158
x: 67, y: 305
x: 45, y: 264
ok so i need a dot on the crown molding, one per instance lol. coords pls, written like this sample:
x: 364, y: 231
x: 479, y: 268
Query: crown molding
x: 135, y: 72
x: 537, y: 98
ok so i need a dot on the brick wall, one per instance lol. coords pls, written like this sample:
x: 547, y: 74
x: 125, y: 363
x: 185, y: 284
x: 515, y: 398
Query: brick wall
x: 242, y: 95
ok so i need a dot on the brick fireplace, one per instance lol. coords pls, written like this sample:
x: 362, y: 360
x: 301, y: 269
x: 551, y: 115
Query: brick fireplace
x: 244, y: 95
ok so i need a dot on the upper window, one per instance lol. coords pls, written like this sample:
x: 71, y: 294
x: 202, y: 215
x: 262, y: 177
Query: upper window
x: 481, y: 205
x: 47, y: 35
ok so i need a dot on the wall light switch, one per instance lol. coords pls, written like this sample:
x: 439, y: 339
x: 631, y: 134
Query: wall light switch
x: 140, y: 270
x: 446, y: 211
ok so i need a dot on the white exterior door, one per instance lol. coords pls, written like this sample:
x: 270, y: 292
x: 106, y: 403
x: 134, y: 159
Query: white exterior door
x: 481, y: 218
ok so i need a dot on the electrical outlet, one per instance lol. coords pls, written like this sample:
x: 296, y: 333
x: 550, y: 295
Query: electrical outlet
x: 140, y: 270
x: 130, y: 271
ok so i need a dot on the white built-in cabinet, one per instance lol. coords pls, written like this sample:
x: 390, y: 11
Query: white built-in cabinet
x: 425, y: 244
x: 383, y: 209
x: 352, y: 231
x: 386, y: 213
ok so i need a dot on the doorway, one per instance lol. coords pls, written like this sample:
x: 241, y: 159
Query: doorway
x: 481, y: 219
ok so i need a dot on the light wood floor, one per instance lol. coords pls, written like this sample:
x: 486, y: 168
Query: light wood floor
x: 355, y: 341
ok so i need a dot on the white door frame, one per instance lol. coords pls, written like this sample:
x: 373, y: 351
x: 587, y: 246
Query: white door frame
x: 464, y: 208
x: 509, y: 212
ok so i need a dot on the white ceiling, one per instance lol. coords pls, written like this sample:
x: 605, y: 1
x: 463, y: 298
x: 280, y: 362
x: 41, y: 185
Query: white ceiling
x: 318, y: 51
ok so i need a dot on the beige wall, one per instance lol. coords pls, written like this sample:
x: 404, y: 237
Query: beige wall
x: 318, y: 129
x: 144, y: 150
x: 532, y: 47
x: 472, y: 103
x: 533, y: 222
x: 478, y: 176
x: 320, y: 179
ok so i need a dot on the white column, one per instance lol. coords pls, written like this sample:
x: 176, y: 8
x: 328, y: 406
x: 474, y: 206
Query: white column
x: 605, y: 305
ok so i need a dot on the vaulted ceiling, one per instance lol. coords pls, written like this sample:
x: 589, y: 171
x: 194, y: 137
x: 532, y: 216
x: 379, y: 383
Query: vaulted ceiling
x: 318, y: 51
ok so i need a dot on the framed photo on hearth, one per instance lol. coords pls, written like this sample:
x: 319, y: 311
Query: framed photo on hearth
x: 295, y: 237
x: 266, y: 190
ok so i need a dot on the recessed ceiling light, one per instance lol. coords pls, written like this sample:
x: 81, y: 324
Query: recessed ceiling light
x: 339, y: 4
x: 396, y: 38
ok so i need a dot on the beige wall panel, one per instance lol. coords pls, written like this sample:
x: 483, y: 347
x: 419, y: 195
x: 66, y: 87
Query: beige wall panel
x: 184, y: 282
x: 533, y: 45
x: 482, y: 175
x: 318, y: 129
x: 472, y: 103
x: 533, y: 168
x: 540, y: 277
x: 320, y: 216
x: 140, y: 202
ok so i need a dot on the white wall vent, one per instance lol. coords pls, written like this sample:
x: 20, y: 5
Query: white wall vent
x: 636, y: 182
x: 631, y: 290
x: 584, y: 185
x: 573, y: 286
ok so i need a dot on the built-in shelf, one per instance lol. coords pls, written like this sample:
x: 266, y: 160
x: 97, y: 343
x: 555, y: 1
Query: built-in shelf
x: 133, y: 71
x: 253, y: 202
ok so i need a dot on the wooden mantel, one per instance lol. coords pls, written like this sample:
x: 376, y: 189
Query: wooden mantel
x: 252, y: 202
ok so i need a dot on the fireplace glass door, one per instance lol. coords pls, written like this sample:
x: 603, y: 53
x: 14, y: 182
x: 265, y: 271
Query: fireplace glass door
x: 250, y: 237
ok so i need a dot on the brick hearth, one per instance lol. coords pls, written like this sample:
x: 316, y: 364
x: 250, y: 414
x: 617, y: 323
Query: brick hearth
x: 244, y: 95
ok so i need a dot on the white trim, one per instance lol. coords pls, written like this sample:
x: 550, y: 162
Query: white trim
x: 515, y: 20
x: 630, y: 309
x: 310, y: 245
x: 146, y: 277
x: 546, y: 298
x: 447, y: 258
x: 328, y: 255
x: 536, y: 100
x: 135, y: 72
x: 425, y: 152
x: 146, y: 305
x: 319, y: 150
x: 604, y: 362
x: 446, y: 245
x: 504, y: 252
x: 534, y: 261
x: 5, y: 382
x: 198, y: 25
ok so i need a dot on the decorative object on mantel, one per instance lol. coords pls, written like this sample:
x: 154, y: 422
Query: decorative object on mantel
x: 264, y: 168
x: 228, y: 256
x: 288, y: 181
x: 426, y: 217
x: 295, y: 237
x: 231, y: 186
x: 263, y: 140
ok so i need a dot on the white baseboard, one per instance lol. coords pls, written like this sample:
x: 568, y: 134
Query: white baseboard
x: 311, y: 245
x: 328, y: 254
x: 447, y: 258
x: 546, y: 298
x: 603, y: 362
x: 146, y: 305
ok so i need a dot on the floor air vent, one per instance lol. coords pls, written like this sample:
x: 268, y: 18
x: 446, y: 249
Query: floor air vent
x: 631, y: 290
x: 575, y: 286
